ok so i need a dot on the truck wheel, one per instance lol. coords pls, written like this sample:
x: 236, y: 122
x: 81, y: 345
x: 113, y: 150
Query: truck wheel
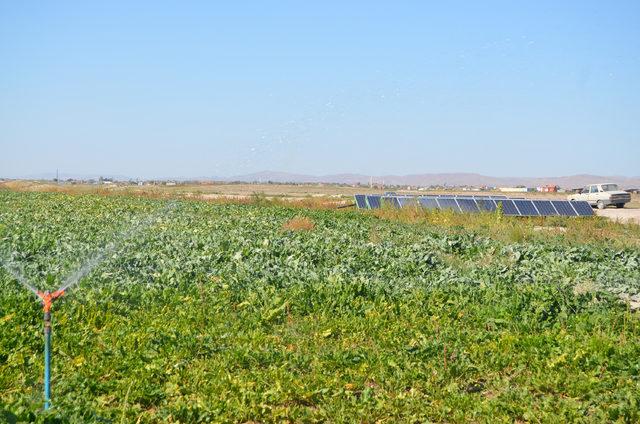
x: 620, y: 205
x: 600, y: 204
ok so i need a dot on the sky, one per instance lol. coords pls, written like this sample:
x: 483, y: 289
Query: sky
x: 204, y: 89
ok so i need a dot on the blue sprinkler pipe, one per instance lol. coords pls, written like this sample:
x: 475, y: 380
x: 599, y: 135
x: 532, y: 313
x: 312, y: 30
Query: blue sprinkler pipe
x: 47, y: 300
x: 47, y: 360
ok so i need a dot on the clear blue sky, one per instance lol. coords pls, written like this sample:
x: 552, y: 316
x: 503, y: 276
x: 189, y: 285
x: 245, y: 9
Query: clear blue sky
x: 167, y: 89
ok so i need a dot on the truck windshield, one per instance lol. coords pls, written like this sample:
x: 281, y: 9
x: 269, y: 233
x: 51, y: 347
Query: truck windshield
x: 609, y: 187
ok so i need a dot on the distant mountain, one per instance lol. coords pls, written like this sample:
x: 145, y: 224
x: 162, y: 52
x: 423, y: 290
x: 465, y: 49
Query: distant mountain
x: 66, y: 176
x: 423, y: 180
x: 450, y: 179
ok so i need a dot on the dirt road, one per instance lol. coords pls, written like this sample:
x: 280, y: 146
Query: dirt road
x: 622, y: 215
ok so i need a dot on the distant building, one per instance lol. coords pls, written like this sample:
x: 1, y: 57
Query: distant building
x: 514, y: 189
x: 549, y: 188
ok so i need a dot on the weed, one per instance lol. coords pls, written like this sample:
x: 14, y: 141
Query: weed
x: 302, y: 223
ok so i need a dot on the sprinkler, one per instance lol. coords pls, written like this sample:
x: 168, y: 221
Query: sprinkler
x: 48, y: 297
x: 47, y: 300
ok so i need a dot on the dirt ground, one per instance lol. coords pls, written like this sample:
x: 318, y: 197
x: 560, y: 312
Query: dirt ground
x: 625, y: 215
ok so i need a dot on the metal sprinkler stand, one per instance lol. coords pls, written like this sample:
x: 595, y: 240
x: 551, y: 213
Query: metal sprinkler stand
x: 47, y: 300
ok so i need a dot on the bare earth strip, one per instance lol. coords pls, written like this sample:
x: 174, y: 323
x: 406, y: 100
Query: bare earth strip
x: 623, y: 215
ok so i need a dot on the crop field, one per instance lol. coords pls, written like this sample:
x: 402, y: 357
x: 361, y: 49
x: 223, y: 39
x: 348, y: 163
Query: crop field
x: 265, y: 312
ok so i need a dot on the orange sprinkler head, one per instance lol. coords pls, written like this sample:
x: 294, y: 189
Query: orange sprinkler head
x: 48, y: 298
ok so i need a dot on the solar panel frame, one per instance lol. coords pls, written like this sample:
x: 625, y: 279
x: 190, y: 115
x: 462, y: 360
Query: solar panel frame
x: 545, y: 207
x: 582, y: 208
x: 526, y: 208
x: 564, y: 208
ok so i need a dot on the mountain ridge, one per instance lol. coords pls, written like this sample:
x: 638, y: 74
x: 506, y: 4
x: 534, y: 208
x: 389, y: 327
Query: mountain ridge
x: 433, y: 179
x: 423, y: 180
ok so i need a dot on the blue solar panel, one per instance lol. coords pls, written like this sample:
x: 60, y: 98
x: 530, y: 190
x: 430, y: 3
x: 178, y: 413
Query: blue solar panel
x: 526, y: 208
x: 448, y: 203
x: 468, y: 205
x: 361, y: 201
x: 486, y: 205
x: 374, y: 202
x: 564, y: 208
x: 391, y: 201
x: 545, y: 207
x: 583, y: 208
x: 508, y: 208
x: 428, y: 202
x: 473, y: 203
x: 407, y: 201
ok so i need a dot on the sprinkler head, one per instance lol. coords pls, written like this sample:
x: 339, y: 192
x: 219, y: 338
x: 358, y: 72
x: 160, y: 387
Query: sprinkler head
x: 48, y: 298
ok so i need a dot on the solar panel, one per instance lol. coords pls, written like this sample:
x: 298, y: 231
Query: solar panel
x: 374, y: 202
x: 564, y: 208
x: 486, y: 205
x: 428, y: 202
x: 477, y: 203
x: 508, y: 208
x: 582, y: 208
x: 545, y: 207
x: 391, y: 201
x: 526, y: 208
x: 407, y: 201
x: 448, y: 203
x: 361, y: 201
x: 468, y: 205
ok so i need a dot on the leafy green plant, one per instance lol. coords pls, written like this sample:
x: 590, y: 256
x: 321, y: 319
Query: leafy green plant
x: 217, y: 314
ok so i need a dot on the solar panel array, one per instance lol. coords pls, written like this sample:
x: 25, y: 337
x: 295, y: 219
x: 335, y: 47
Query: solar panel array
x: 476, y: 204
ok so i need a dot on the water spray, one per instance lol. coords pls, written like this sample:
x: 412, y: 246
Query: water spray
x: 47, y: 298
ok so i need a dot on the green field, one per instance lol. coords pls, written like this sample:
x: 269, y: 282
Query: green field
x: 263, y: 313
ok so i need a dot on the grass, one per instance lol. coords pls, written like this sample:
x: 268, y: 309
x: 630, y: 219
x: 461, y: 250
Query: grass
x: 266, y: 312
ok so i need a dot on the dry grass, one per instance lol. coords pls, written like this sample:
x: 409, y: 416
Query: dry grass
x: 635, y: 202
x: 300, y: 223
x: 515, y: 229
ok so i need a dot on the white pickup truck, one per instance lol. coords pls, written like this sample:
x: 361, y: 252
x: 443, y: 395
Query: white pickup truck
x: 602, y: 195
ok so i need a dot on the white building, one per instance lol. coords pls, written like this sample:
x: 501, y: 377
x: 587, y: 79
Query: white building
x: 513, y: 189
